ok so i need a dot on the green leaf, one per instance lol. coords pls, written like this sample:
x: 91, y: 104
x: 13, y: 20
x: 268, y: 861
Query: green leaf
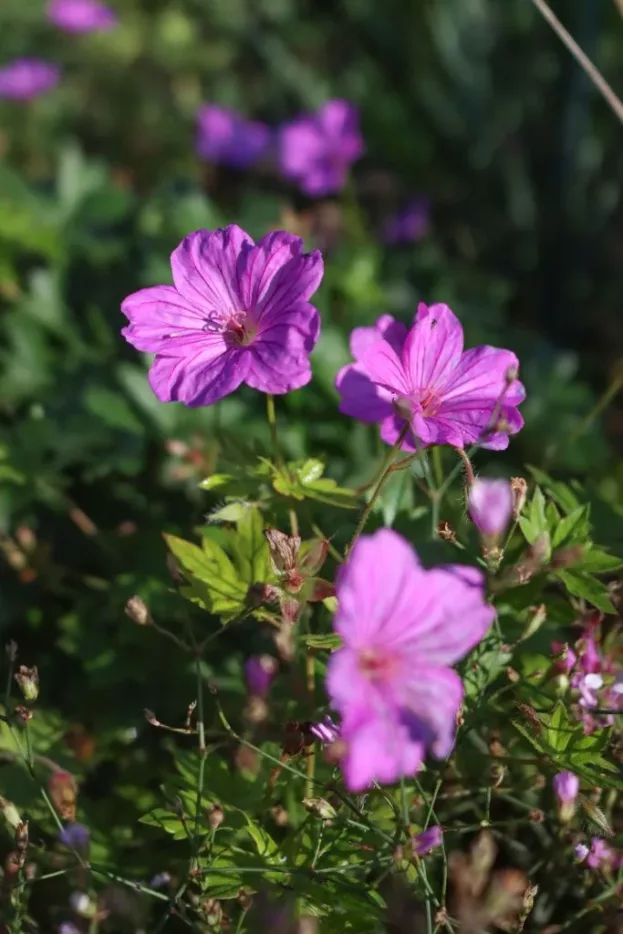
x: 580, y: 584
x: 304, y: 480
x: 560, y: 728
x: 264, y: 843
x: 166, y: 820
x: 536, y: 512
x: 573, y: 529
x: 330, y: 642
x: 223, y: 593
x: 250, y: 548
x: 598, y: 562
x: 484, y: 665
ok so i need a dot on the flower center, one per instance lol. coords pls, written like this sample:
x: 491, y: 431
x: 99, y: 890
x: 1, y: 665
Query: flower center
x: 237, y: 327
x: 376, y: 666
x: 426, y: 402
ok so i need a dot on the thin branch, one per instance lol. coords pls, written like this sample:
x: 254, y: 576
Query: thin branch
x: 583, y: 61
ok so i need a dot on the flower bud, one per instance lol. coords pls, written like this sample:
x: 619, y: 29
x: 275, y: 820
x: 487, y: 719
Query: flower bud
x: 284, y: 550
x: 259, y: 671
x: 422, y: 843
x: 63, y: 792
x: 519, y: 486
x: 10, y: 813
x: 566, y: 786
x: 320, y: 808
x: 490, y: 504
x: 326, y: 731
x: 216, y: 816
x: 138, y: 611
x: 28, y: 680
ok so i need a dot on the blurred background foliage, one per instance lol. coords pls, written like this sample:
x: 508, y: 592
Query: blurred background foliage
x: 473, y: 103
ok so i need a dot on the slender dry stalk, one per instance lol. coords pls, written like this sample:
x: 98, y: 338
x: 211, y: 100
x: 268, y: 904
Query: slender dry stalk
x: 583, y: 61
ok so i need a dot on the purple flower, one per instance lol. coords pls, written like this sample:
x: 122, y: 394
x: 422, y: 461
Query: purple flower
x: 587, y: 685
x: 326, y: 731
x: 425, y: 381
x: 402, y: 627
x: 599, y: 853
x: 426, y: 841
x: 75, y: 836
x: 25, y: 78
x: 160, y: 880
x: 225, y: 137
x: 238, y: 312
x: 67, y: 927
x: 565, y: 657
x: 317, y: 150
x: 566, y: 787
x: 259, y: 672
x: 581, y: 852
x: 81, y: 15
x: 409, y: 224
x: 490, y: 504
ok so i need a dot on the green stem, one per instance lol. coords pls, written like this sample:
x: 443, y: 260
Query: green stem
x: 202, y: 756
x: 272, y: 424
x: 386, y: 470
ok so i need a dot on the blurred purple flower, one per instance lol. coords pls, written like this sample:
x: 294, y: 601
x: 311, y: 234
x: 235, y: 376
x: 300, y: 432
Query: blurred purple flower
x: 75, y: 836
x: 67, y: 927
x: 565, y: 657
x: 490, y: 504
x: 599, y: 853
x: 238, y: 312
x: 259, y: 671
x: 587, y: 685
x: 409, y: 224
x: 422, y: 843
x: 581, y: 852
x: 226, y: 137
x: 80, y: 16
x: 427, y: 382
x: 160, y: 880
x: 326, y: 731
x: 566, y: 787
x: 25, y: 78
x: 402, y: 627
x: 316, y: 150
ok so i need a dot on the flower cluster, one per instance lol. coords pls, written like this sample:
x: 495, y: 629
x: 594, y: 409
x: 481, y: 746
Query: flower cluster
x: 239, y: 312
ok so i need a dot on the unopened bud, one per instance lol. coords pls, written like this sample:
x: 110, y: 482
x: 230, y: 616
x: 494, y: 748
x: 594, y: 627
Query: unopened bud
x: 28, y: 680
x: 566, y: 787
x: 245, y: 899
x: 259, y: 671
x: 536, y: 816
x: 497, y: 774
x: 23, y: 714
x: 216, y: 816
x: 284, y: 550
x: 320, y: 808
x: 519, y: 486
x: 534, y: 624
x: 213, y: 912
x: 256, y: 709
x: 280, y: 815
x: 21, y: 836
x: 138, y: 611
x: 63, y: 792
x: 290, y: 609
x: 10, y: 813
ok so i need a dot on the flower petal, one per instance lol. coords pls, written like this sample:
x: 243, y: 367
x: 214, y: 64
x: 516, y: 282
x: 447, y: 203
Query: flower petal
x: 385, y: 368
x: 394, y: 332
x: 481, y: 374
x: 377, y: 590
x: 205, y: 269
x: 161, y: 320
x: 200, y: 380
x: 276, y: 275
x: 361, y: 398
x: 432, y: 697
x: 380, y: 748
x: 433, y: 347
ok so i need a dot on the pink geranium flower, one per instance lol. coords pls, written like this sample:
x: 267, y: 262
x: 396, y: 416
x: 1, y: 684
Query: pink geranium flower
x: 25, y: 78
x: 81, y: 16
x: 226, y: 137
x: 317, y: 150
x: 402, y: 627
x: 423, y: 379
x: 237, y: 312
